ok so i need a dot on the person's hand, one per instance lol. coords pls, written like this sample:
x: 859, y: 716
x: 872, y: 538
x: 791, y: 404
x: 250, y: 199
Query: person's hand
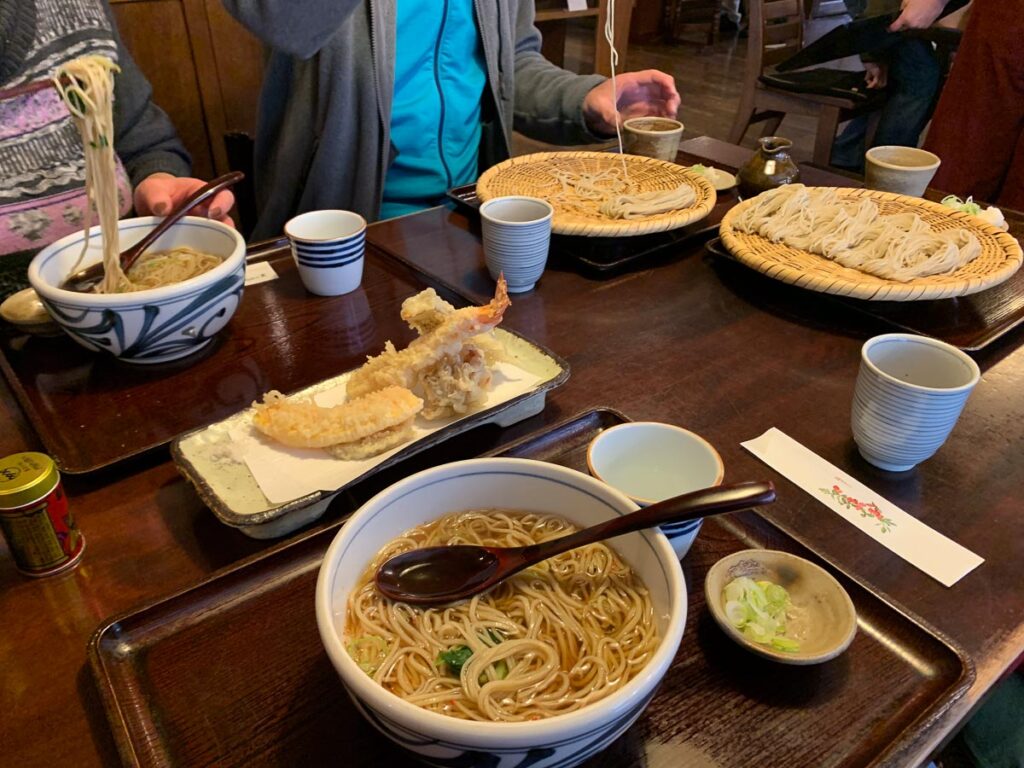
x: 917, y: 14
x: 159, y: 193
x: 875, y: 75
x: 641, y: 94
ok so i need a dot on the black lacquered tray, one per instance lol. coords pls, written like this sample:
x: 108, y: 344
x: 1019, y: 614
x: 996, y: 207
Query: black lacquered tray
x: 231, y: 672
x: 970, y: 323
x: 610, y: 254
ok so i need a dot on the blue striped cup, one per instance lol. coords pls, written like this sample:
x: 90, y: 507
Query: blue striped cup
x: 329, y: 249
x: 909, y: 394
x: 651, y: 462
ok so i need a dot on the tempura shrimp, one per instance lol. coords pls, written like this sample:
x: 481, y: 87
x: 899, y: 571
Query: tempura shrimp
x: 404, y: 367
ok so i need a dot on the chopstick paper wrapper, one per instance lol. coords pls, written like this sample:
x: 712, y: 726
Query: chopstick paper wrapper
x: 941, y: 558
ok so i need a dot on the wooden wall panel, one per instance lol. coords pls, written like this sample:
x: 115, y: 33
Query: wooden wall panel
x: 648, y: 21
x: 239, y: 58
x: 156, y: 34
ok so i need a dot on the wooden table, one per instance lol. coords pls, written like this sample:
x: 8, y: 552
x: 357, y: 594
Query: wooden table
x: 683, y: 339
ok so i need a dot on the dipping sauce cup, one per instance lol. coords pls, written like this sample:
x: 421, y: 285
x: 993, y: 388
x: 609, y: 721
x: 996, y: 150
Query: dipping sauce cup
x: 650, y: 462
x: 903, y: 170
x: 656, y: 137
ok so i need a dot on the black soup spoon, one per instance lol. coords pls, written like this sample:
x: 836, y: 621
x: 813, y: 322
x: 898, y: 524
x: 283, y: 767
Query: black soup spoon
x: 437, y: 575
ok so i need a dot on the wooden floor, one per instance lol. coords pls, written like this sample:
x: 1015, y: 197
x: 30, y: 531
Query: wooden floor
x: 709, y: 79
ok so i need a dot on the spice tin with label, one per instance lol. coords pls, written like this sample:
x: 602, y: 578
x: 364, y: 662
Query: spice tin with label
x: 34, y: 516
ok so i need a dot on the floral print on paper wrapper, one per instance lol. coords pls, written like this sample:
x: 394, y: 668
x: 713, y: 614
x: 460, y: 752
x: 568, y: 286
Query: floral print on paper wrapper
x: 866, y: 508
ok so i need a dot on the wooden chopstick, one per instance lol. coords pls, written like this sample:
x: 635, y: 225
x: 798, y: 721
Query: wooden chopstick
x: 20, y: 90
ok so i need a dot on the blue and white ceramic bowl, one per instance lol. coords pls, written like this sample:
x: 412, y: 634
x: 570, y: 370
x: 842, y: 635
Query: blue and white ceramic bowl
x: 155, y: 325
x: 521, y: 484
x: 649, y: 461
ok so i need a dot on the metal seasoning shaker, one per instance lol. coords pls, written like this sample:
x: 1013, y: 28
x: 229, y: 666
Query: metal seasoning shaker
x: 34, y: 516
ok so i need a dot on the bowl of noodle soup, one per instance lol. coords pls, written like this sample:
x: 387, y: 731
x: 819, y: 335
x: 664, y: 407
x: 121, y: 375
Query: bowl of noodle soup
x: 559, y: 664
x: 148, y: 324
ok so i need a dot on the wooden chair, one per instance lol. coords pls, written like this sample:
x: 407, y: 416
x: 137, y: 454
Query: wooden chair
x: 679, y: 13
x: 776, y: 33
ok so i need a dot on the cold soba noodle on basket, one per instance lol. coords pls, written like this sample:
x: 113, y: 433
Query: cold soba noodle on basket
x: 552, y: 639
x: 87, y: 86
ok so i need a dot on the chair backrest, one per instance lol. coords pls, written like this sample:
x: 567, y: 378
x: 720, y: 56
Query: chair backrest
x: 776, y: 33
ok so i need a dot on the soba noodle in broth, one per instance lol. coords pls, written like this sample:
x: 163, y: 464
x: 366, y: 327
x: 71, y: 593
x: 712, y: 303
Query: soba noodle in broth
x: 87, y: 86
x: 158, y: 268
x: 550, y: 640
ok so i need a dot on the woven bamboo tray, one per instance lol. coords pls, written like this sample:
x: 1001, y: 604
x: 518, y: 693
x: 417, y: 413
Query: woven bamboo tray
x: 531, y: 175
x: 1000, y: 256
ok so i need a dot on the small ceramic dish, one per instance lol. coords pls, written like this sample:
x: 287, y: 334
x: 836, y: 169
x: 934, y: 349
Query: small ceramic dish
x: 720, y: 180
x: 652, y: 462
x: 26, y: 312
x: 824, y: 620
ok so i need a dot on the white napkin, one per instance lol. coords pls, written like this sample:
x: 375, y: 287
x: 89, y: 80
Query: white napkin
x: 941, y: 558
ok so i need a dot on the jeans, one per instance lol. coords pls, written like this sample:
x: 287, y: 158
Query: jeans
x: 731, y: 10
x: 912, y: 90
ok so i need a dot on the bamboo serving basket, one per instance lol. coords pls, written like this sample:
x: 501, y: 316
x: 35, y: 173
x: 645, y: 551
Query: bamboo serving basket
x: 531, y: 175
x: 1000, y: 255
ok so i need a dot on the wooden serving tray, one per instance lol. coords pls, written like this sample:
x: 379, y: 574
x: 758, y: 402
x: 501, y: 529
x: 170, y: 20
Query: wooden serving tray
x: 91, y: 410
x: 231, y: 672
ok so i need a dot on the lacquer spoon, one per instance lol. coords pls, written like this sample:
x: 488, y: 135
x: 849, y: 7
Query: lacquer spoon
x: 436, y: 575
x: 85, y: 279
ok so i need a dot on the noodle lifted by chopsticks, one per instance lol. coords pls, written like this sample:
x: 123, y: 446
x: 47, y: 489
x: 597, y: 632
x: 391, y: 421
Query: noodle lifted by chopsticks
x: 87, y: 86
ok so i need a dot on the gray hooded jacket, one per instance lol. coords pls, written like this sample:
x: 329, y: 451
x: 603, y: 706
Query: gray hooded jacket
x: 323, y: 139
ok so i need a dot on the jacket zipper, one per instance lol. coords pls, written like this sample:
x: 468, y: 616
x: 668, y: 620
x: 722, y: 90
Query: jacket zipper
x: 385, y: 126
x: 493, y: 82
x: 440, y: 93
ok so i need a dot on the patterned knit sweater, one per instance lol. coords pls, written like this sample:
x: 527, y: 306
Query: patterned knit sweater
x: 42, y: 169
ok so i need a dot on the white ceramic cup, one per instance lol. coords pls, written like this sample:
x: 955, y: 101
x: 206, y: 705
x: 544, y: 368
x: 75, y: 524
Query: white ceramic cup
x: 329, y: 248
x: 904, y: 170
x: 909, y: 394
x: 516, y: 238
x: 652, y: 462
x: 656, y: 137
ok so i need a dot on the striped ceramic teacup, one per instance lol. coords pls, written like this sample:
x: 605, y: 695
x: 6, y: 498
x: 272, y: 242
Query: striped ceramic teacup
x: 516, y: 238
x: 329, y: 248
x: 909, y: 394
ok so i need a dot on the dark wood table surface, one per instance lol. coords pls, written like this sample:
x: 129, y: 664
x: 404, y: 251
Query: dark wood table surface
x: 685, y: 339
